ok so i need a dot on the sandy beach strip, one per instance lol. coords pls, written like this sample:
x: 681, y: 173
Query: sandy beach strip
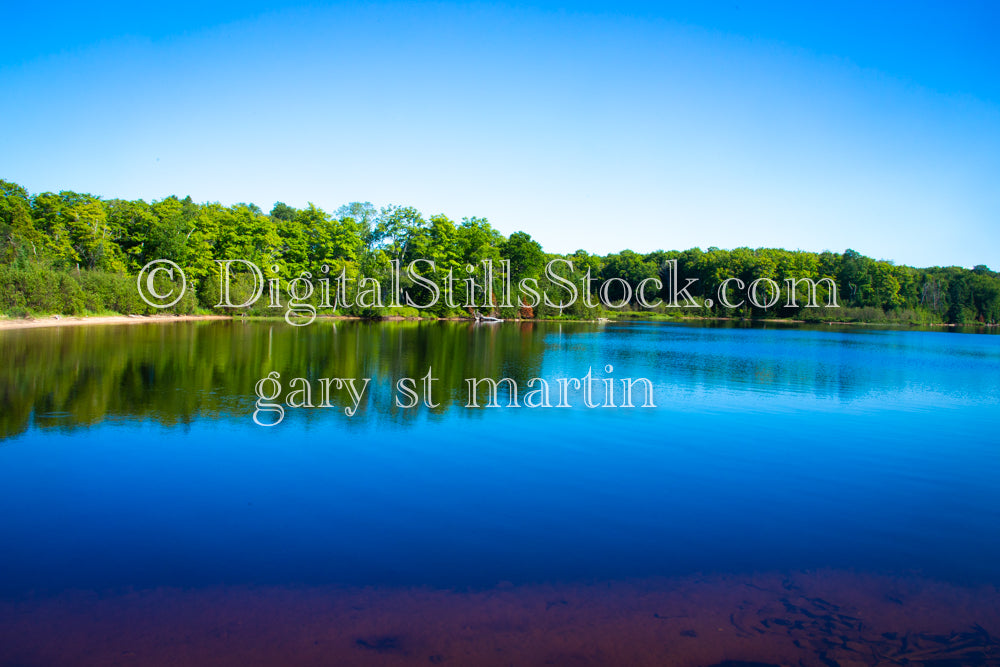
x: 71, y: 321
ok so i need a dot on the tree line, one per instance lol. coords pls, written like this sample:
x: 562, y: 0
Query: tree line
x: 76, y: 253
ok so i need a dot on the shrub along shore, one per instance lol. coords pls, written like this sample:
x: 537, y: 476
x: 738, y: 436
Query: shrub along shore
x: 73, y: 254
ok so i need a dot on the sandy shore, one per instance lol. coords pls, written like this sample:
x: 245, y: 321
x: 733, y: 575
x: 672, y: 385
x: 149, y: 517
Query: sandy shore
x: 69, y: 321
x: 66, y: 321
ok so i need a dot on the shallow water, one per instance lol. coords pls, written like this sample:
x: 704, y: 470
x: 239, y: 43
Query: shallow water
x: 129, y: 460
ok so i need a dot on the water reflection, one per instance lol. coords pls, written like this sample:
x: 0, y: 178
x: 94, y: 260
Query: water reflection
x: 173, y: 374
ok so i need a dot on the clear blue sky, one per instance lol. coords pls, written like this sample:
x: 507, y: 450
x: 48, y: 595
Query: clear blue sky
x: 598, y: 125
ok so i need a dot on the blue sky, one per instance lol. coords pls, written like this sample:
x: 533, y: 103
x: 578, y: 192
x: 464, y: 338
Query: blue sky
x: 595, y: 125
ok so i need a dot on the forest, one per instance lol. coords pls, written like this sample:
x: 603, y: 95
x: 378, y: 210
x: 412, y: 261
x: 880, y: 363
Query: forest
x: 75, y: 254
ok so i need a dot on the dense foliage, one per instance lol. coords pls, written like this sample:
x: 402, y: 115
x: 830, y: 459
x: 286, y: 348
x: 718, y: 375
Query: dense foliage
x: 76, y: 253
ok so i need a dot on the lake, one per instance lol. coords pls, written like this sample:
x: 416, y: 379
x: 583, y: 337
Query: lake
x: 826, y: 461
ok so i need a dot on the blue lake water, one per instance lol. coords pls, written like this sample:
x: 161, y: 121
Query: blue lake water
x: 129, y: 456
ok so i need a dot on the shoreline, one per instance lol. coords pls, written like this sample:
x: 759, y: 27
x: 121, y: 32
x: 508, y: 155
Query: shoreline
x: 71, y: 321
x: 7, y: 323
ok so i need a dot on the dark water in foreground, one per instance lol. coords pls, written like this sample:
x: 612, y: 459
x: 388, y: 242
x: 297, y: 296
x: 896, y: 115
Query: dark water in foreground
x: 129, y: 459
